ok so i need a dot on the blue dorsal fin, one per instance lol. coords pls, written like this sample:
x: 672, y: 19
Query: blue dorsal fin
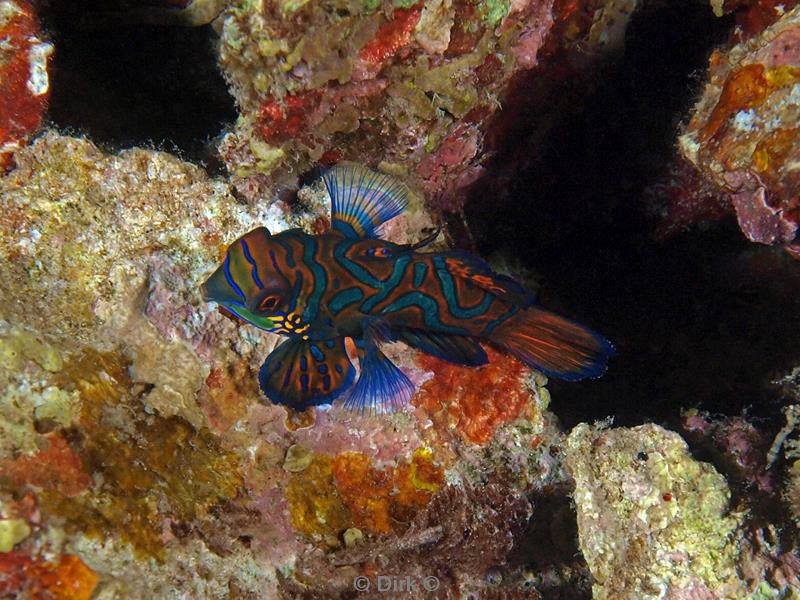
x: 454, y: 349
x: 363, y: 200
x: 302, y: 373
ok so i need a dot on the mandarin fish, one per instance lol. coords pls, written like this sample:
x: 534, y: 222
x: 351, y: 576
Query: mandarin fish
x: 349, y: 283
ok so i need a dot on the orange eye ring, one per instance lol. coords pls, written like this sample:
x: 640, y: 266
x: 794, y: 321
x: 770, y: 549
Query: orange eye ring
x: 268, y: 303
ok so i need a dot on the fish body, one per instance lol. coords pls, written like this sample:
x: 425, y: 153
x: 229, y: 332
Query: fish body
x: 348, y: 283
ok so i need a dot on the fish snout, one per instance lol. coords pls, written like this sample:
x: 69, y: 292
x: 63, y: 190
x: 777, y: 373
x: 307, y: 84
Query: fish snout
x: 216, y: 288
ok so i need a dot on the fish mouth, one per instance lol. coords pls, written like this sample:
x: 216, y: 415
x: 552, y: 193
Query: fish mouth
x: 217, y: 289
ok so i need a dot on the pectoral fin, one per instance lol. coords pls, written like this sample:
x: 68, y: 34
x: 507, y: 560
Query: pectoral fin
x: 381, y: 387
x: 302, y: 373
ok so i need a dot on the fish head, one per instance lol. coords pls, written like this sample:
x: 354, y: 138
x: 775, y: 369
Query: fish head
x: 248, y: 282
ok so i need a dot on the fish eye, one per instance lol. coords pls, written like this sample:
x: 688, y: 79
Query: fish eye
x: 268, y: 303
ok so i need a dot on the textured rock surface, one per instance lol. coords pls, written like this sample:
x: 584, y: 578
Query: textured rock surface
x: 743, y: 132
x: 412, y: 85
x: 654, y: 522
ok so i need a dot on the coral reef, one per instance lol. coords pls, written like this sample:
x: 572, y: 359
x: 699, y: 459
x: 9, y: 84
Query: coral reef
x: 331, y: 495
x: 103, y: 355
x: 449, y: 548
x: 138, y: 457
x: 742, y: 133
x: 653, y: 522
x: 134, y: 435
x: 739, y: 448
x: 409, y: 85
x: 24, y: 577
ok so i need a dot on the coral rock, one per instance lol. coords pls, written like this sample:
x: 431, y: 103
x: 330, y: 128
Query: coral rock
x: 478, y: 525
x: 378, y: 82
x: 331, y: 495
x: 743, y: 136
x: 650, y: 517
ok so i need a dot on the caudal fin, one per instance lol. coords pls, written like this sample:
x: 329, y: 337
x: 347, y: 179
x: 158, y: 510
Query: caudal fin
x: 554, y: 345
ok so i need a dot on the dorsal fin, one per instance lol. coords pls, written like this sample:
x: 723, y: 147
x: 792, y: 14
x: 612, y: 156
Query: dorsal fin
x: 475, y: 270
x: 362, y: 199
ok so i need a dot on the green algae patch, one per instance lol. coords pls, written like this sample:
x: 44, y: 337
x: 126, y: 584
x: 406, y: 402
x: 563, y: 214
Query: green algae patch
x: 145, y: 468
x: 495, y: 11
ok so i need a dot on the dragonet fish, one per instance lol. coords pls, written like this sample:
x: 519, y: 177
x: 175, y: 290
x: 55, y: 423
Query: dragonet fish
x: 320, y: 289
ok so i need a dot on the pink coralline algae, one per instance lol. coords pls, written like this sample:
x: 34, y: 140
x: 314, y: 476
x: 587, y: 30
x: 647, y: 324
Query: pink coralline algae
x: 738, y: 447
x: 24, y: 85
x: 743, y: 136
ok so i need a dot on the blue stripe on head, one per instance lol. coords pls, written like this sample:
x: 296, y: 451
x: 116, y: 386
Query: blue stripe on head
x: 252, y: 262
x: 275, y: 263
x: 229, y: 277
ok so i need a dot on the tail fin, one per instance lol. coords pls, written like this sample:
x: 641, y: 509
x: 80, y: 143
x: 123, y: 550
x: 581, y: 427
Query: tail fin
x: 554, y: 345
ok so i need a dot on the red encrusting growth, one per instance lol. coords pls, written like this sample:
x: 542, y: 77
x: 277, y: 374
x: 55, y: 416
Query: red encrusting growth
x: 280, y: 120
x: 55, y: 467
x: 336, y: 493
x: 392, y: 36
x: 330, y: 157
x: 390, y: 39
x: 364, y: 490
x: 384, y: 500
x: 22, y: 103
x: 473, y: 401
x: 760, y: 14
x: 22, y: 576
x: 467, y: 30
